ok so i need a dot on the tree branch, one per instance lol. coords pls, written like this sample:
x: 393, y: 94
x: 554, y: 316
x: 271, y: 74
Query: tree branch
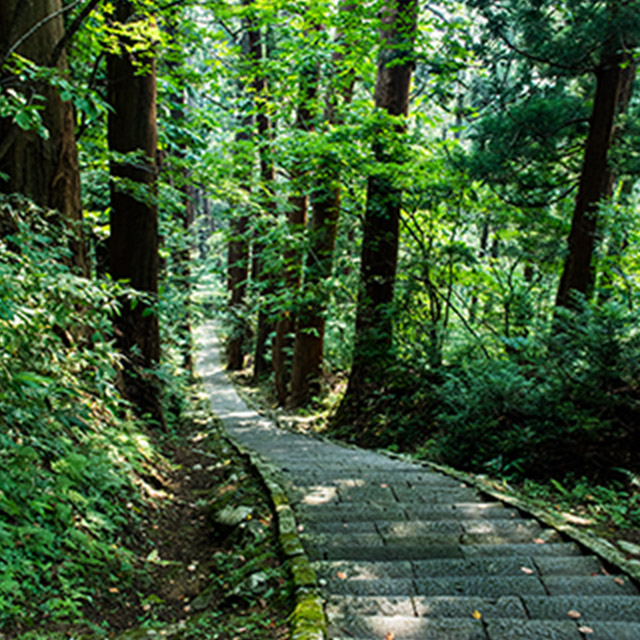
x: 71, y: 31
x: 37, y: 26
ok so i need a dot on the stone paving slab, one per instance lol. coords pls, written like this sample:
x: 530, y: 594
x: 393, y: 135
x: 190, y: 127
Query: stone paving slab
x: 407, y: 628
x: 589, y: 586
x: 369, y: 606
x: 523, y: 549
x: 509, y: 607
x: 403, y: 550
x: 350, y: 570
x: 533, y: 630
x: 603, y: 608
x: 485, y: 586
x: 614, y: 631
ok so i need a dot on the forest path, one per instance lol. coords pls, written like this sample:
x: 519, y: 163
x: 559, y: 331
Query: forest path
x: 406, y: 553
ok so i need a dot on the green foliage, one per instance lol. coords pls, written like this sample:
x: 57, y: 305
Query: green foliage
x: 67, y: 451
x: 614, y: 504
x: 569, y: 402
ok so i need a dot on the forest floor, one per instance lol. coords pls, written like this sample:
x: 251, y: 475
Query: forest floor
x: 196, y: 576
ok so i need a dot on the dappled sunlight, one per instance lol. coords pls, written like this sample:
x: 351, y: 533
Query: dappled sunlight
x: 320, y: 495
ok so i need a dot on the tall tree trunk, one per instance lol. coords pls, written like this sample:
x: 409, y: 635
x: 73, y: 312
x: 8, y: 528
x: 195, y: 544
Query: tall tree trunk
x: 181, y: 181
x: 267, y: 179
x: 133, y: 244
x: 614, y: 80
x: 45, y: 170
x: 238, y: 256
x: 296, y: 218
x: 306, y: 369
x: 374, y: 323
x: 309, y: 338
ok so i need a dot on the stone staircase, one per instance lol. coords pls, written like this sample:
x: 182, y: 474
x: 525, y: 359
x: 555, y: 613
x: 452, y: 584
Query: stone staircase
x: 406, y: 553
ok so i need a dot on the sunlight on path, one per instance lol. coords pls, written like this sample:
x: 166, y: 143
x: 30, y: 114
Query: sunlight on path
x: 406, y: 553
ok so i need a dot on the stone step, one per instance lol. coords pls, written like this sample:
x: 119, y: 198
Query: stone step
x: 453, y: 567
x: 408, y: 628
x: 384, y: 494
x: 371, y: 476
x: 608, y: 608
x: 519, y: 527
x: 587, y: 609
x: 486, y: 586
x: 377, y: 551
x: 334, y: 513
x: 435, y: 607
x: 553, y: 549
x: 412, y: 540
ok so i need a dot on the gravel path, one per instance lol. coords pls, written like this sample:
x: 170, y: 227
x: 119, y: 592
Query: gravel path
x: 406, y: 553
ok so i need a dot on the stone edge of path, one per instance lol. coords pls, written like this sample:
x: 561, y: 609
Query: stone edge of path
x: 308, y: 620
x: 597, y: 545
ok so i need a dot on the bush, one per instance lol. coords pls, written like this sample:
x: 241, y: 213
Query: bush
x: 67, y: 451
x: 572, y: 407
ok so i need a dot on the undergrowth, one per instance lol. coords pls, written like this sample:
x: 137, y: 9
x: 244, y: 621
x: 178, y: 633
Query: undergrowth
x: 84, y: 483
x: 69, y: 448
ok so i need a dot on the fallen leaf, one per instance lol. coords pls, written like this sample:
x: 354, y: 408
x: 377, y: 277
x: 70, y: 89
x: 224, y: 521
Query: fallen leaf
x: 390, y: 636
x: 539, y: 541
x: 342, y: 575
x: 476, y: 615
x: 527, y: 570
x: 585, y: 629
x: 574, y: 614
x: 114, y: 590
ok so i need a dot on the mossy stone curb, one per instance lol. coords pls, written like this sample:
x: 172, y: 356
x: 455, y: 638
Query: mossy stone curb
x: 308, y: 620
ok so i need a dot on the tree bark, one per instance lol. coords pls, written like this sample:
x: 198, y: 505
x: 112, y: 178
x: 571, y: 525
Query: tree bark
x: 181, y: 180
x: 238, y: 255
x: 259, y: 274
x: 309, y: 338
x: 614, y: 80
x: 297, y: 219
x: 374, y: 323
x: 45, y: 170
x: 133, y: 244
x: 306, y: 369
x: 238, y: 263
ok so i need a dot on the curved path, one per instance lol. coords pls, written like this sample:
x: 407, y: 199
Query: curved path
x: 406, y: 553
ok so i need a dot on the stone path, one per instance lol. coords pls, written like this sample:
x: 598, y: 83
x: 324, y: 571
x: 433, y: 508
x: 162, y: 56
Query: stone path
x: 406, y: 553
